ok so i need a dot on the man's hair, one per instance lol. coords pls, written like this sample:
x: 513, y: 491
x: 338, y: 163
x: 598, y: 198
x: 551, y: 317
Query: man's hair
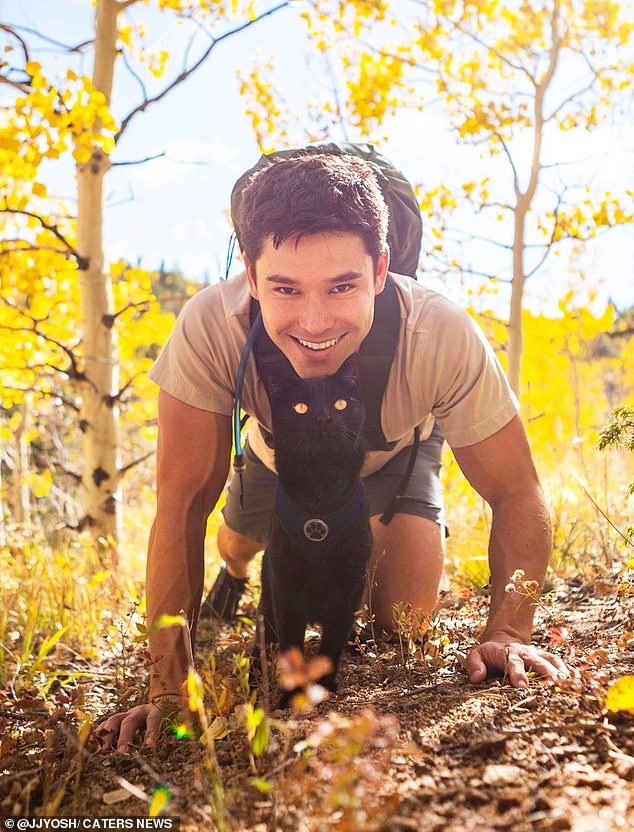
x: 312, y: 193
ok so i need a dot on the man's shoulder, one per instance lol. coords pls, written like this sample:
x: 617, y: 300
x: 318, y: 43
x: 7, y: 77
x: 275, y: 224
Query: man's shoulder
x: 227, y: 298
x: 423, y: 308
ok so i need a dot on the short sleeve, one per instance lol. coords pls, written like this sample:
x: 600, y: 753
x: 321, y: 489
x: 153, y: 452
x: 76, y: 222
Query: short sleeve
x: 194, y: 366
x: 473, y: 398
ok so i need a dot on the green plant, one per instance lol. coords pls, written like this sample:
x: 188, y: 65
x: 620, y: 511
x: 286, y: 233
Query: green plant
x: 619, y: 434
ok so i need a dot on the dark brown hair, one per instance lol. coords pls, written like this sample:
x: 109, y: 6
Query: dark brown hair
x: 312, y: 193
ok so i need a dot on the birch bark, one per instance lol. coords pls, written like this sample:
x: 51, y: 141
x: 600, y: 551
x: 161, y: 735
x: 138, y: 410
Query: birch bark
x: 99, y: 412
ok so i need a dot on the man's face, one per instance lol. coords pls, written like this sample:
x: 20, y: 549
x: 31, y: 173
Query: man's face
x: 317, y: 298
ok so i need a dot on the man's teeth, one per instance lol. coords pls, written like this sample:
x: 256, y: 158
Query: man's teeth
x: 321, y: 346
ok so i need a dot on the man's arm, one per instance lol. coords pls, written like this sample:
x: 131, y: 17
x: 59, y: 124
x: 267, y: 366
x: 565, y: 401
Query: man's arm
x: 501, y: 470
x: 194, y: 448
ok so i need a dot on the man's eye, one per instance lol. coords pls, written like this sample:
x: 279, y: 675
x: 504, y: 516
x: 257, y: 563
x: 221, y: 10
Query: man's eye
x: 342, y: 288
x: 285, y: 290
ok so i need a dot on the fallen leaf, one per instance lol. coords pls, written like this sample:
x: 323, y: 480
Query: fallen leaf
x: 501, y: 775
x: 117, y: 796
x: 620, y: 695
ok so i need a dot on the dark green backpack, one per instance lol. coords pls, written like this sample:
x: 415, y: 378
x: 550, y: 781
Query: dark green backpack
x: 405, y: 229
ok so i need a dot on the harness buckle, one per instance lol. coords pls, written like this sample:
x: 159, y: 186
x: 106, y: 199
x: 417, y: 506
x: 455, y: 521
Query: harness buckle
x: 316, y: 530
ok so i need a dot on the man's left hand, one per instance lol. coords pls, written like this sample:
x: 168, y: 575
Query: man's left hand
x: 500, y: 655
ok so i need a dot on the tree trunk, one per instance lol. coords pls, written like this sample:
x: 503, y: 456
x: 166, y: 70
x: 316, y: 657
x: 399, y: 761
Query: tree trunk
x: 523, y: 204
x: 22, y: 501
x: 516, y: 338
x: 99, y: 412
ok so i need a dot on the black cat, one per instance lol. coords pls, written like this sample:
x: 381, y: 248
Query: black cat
x: 314, y: 567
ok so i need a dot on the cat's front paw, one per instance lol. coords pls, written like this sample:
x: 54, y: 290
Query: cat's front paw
x: 286, y: 698
x: 329, y: 682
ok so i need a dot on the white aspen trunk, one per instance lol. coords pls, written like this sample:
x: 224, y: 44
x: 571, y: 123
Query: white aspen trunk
x: 522, y: 207
x: 516, y: 336
x: 99, y: 412
x: 3, y: 516
x: 22, y: 501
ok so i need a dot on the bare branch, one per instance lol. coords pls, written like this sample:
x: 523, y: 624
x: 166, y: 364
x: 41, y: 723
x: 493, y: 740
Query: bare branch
x: 78, y: 48
x: 621, y: 333
x: 139, y: 161
x: 73, y: 372
x: 516, y: 181
x: 549, y: 244
x: 123, y: 471
x: 517, y: 67
x: 109, y: 319
x: 335, y: 92
x: 13, y: 33
x: 191, y: 41
x: 186, y: 73
x: 466, y: 270
x: 118, y: 396
x: 17, y: 84
x: 134, y: 74
x: 47, y: 394
x: 468, y: 235
x: 570, y: 98
x: 569, y: 162
x: 82, y: 262
x: 29, y: 247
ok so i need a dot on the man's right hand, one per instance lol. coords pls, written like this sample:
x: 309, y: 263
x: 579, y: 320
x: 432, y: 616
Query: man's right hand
x: 119, y: 731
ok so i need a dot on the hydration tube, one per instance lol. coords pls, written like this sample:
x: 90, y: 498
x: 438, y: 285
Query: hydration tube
x: 230, y: 250
x: 238, y: 456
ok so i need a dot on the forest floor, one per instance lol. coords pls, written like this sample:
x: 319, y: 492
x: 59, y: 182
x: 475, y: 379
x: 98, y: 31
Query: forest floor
x: 407, y: 744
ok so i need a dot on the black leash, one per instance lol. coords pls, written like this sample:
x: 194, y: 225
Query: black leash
x: 390, y: 511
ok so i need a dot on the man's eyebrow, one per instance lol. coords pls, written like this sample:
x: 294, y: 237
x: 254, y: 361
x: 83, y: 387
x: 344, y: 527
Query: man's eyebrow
x: 291, y: 281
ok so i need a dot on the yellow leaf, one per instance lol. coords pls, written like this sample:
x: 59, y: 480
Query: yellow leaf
x: 195, y: 691
x: 82, y: 155
x: 159, y: 800
x: 38, y: 189
x: 620, y: 695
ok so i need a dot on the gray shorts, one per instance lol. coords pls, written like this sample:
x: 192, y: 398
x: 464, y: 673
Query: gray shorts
x: 422, y: 498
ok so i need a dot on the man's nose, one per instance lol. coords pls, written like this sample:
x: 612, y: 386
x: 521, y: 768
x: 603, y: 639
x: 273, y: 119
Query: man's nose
x: 315, y: 319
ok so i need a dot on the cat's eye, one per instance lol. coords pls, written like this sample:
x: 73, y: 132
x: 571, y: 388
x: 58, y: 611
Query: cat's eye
x: 301, y: 408
x: 341, y: 404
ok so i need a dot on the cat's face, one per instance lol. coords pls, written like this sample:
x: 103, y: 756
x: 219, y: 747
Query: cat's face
x: 317, y: 298
x: 318, y: 408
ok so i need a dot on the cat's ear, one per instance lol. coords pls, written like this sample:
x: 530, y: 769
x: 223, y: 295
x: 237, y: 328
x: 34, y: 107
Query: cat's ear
x: 350, y: 370
x: 276, y: 376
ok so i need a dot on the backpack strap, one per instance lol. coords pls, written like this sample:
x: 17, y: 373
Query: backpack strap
x: 376, y: 355
x: 405, y: 226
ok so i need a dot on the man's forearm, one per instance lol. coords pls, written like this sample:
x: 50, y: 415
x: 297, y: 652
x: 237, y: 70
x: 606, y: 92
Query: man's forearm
x: 175, y: 571
x: 521, y: 538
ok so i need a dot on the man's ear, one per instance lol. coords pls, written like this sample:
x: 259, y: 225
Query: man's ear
x: 382, y: 266
x: 250, y: 269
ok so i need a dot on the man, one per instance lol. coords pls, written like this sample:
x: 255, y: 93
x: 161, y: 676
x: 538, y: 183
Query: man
x: 313, y: 235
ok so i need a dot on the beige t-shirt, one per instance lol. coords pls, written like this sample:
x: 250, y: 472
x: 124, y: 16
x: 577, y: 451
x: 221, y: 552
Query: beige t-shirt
x: 444, y: 369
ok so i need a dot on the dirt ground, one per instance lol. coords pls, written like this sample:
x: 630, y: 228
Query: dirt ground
x: 407, y: 744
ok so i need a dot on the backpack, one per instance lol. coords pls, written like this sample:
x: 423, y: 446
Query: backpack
x: 405, y: 227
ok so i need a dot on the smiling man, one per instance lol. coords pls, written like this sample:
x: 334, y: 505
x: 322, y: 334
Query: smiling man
x: 314, y: 312
x: 313, y: 232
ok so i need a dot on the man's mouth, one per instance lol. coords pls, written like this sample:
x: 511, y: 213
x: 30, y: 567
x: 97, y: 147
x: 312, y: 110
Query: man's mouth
x: 317, y: 346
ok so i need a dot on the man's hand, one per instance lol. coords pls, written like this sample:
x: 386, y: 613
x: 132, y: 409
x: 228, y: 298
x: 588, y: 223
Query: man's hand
x: 502, y: 655
x: 117, y: 732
